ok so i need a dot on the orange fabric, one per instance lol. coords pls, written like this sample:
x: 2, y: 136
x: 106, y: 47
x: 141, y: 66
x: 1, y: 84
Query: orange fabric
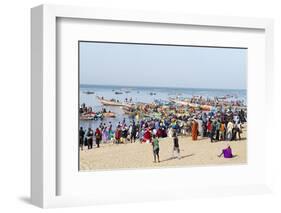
x: 222, y: 128
x: 194, y: 130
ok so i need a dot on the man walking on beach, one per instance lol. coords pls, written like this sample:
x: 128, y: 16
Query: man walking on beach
x: 155, y: 146
x: 176, y: 147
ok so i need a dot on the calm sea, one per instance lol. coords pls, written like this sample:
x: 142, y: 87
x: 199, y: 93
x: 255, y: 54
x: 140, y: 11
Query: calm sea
x: 143, y: 94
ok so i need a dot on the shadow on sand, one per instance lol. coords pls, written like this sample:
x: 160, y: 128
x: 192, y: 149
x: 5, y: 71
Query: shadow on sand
x: 172, y: 158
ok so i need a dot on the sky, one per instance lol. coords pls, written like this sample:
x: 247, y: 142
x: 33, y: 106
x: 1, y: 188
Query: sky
x: 162, y: 66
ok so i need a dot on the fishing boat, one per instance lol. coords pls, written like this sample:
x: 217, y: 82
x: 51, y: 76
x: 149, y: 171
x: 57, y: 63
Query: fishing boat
x: 206, y: 107
x: 87, y: 117
x: 178, y: 101
x: 109, y: 114
x: 112, y: 102
x: 118, y: 93
x: 129, y: 111
x: 91, y: 116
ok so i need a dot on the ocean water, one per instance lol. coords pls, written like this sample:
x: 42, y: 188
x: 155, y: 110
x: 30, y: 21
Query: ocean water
x: 142, y: 94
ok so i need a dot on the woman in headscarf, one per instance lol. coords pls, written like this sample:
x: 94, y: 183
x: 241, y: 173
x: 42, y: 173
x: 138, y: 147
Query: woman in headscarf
x: 194, y: 130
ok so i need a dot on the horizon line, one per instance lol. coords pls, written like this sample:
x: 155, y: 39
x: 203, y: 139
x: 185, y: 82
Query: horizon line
x: 170, y: 87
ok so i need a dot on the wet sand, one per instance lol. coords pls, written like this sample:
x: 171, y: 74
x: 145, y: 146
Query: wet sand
x: 139, y: 155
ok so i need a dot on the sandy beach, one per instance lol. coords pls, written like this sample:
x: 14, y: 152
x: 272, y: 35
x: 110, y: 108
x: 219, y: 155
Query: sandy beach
x: 136, y: 155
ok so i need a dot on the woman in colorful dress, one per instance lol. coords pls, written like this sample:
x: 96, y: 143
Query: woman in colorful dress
x: 105, y: 135
x: 194, y: 130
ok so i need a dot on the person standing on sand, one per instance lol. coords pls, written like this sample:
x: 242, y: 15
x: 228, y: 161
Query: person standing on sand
x: 176, y: 147
x: 194, y: 130
x: 147, y: 136
x: 133, y: 132
x: 213, y: 131
x: 200, y: 127
x: 118, y: 133
x: 155, y: 146
x: 218, y: 125
x: 90, y: 135
x: 222, y: 131
x: 239, y: 129
x: 98, y: 137
x: 209, y: 128
x: 81, y: 137
x: 104, y: 134
x: 229, y: 130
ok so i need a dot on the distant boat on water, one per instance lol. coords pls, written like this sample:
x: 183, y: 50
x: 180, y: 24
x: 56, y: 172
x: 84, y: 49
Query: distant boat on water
x: 118, y: 93
x: 89, y: 92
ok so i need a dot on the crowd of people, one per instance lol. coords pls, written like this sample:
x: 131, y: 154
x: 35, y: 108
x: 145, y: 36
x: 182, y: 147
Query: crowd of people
x: 219, y: 126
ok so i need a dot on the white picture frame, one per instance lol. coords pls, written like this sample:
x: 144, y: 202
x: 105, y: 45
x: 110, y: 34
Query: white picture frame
x: 44, y: 154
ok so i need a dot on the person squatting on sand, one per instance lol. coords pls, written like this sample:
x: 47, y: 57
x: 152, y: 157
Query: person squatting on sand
x: 155, y: 146
x: 227, y: 153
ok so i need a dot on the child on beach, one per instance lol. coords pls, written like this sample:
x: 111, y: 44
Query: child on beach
x: 176, y: 147
x: 155, y: 146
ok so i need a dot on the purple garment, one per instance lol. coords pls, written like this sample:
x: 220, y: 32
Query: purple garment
x: 227, y: 153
